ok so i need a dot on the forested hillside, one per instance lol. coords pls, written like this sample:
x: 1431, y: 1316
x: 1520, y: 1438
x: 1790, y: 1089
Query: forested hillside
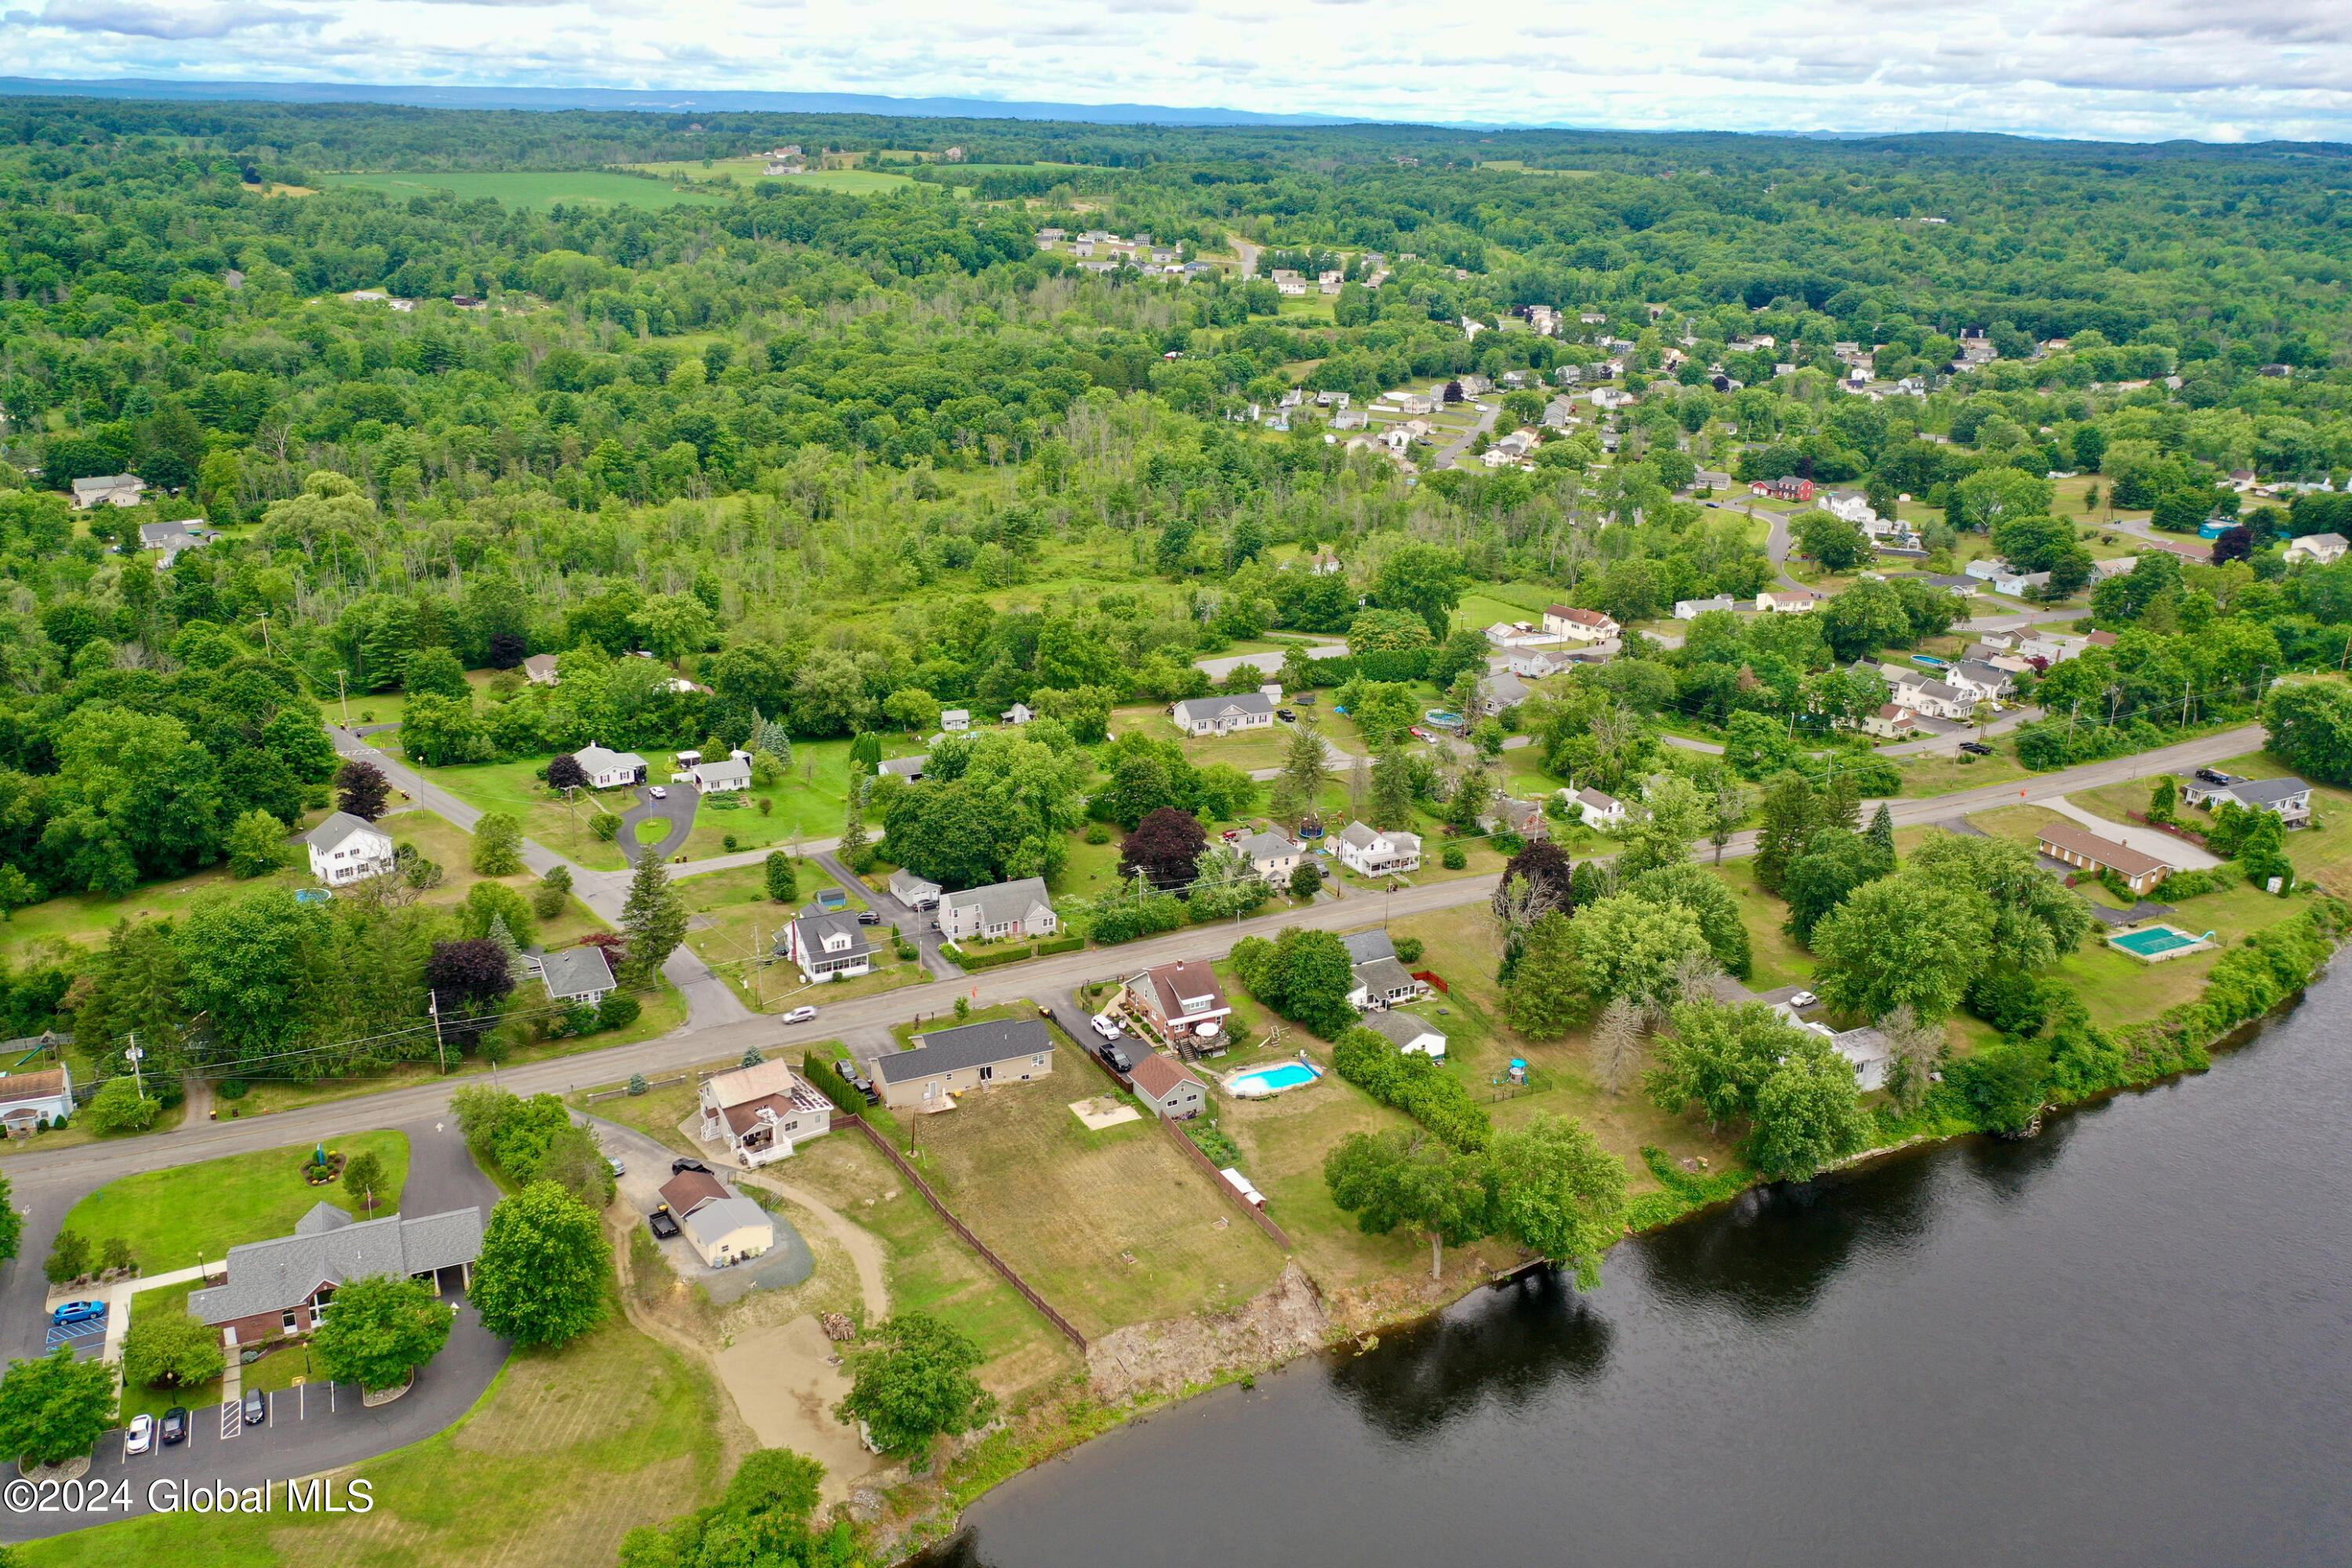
x: 812, y: 450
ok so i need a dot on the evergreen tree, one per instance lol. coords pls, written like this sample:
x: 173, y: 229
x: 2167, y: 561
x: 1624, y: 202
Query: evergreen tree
x: 1791, y: 812
x: 1391, y: 806
x: 1882, y: 831
x: 1306, y: 769
x: 654, y: 919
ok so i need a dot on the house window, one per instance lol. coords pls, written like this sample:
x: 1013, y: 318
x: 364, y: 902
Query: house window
x: 987, y: 1072
x: 289, y: 1320
x: 1038, y: 1060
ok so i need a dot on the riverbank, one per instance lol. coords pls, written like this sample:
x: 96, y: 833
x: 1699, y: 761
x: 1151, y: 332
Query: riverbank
x: 1147, y: 1369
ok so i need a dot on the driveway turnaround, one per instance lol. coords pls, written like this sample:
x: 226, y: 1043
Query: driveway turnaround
x: 676, y: 809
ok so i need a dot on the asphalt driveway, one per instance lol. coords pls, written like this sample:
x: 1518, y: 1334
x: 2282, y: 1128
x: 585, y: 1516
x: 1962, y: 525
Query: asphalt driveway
x: 677, y: 810
x: 647, y: 1166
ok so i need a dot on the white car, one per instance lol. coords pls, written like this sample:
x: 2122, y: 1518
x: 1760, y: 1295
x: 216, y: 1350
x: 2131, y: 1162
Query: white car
x: 800, y: 1015
x: 1802, y: 1000
x: 143, y: 1434
x: 658, y: 793
x: 1107, y: 1026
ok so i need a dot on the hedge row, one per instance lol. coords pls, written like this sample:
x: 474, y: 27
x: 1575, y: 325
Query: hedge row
x: 1415, y: 1085
x: 1061, y: 944
x: 846, y: 1100
x: 1389, y: 664
x: 964, y: 960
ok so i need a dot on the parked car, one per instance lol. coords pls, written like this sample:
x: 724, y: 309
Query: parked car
x: 257, y: 1408
x: 1116, y: 1055
x: 1802, y: 1000
x: 175, y: 1425
x: 868, y: 918
x: 1418, y: 733
x: 799, y: 1015
x: 618, y: 1169
x: 661, y: 1225
x: 685, y: 1162
x: 2212, y: 776
x: 142, y: 1436
x: 1105, y: 1026
x: 658, y: 793
x: 79, y: 1312
x: 1976, y: 748
x: 1285, y: 715
x: 1045, y: 1010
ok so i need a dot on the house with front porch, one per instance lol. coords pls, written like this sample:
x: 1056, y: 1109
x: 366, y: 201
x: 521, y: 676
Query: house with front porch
x: 1183, y: 1004
x: 2288, y: 799
x: 1369, y: 852
x: 1223, y: 715
x: 928, y: 1074
x: 828, y: 944
x: 1271, y: 856
x: 762, y: 1113
x: 608, y: 769
x: 1584, y: 626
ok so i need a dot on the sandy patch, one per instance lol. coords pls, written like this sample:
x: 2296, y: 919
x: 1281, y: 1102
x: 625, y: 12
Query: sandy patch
x: 1104, y: 1112
x: 784, y: 1386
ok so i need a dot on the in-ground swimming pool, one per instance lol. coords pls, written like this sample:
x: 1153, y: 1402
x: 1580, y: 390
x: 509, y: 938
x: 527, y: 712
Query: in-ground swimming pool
x: 1260, y: 1081
x: 2157, y: 941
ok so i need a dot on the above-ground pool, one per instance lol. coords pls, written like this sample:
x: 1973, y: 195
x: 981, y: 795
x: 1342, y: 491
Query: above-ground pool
x: 1260, y: 1081
x: 2160, y: 943
x: 1931, y: 661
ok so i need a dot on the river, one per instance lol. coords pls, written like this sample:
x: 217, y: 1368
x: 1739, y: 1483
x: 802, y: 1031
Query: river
x: 2123, y: 1342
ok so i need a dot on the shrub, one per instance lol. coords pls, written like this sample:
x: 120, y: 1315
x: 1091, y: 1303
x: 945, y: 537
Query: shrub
x: 1453, y: 858
x: 992, y: 960
x: 908, y: 952
x: 1061, y: 944
x: 1408, y: 950
x: 618, y: 1012
x: 830, y: 1084
x: 727, y: 842
x: 1415, y: 1085
x: 1098, y: 832
x: 637, y: 1084
x: 604, y: 827
x: 1221, y: 1150
x: 546, y: 903
x: 232, y: 1088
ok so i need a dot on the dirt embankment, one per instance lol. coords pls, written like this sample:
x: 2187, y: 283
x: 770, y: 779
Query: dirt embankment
x: 1286, y: 1319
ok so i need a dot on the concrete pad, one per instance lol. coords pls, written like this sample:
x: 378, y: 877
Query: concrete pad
x: 784, y: 1383
x: 1104, y: 1113
x: 2173, y: 851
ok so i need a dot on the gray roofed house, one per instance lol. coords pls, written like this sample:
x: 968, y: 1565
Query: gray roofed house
x: 715, y: 778
x: 581, y: 975
x: 1409, y: 1032
x: 2289, y: 798
x: 1501, y: 690
x: 1363, y: 946
x: 908, y: 768
x: 346, y: 849
x: 1976, y: 675
x: 540, y: 669
x: 108, y: 489
x: 171, y: 537
x: 1218, y: 715
x: 1021, y: 907
x: 912, y: 890
x: 1000, y: 1050
x: 825, y: 944
x: 1383, y: 983
x: 607, y: 769
x: 279, y: 1286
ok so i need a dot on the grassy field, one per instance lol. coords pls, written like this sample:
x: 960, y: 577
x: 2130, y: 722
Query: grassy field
x: 2018, y: 823
x: 568, y: 1451
x: 170, y: 1216
x: 1113, y: 1227
x: 531, y: 190
x: 847, y: 182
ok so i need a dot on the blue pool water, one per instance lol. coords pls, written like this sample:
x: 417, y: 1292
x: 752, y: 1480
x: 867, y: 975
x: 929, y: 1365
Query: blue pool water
x: 1269, y: 1080
x: 2147, y: 944
x: 1931, y: 662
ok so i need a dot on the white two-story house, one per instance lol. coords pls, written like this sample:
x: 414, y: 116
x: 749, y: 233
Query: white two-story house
x: 1000, y: 910
x: 1369, y: 852
x: 346, y: 849
x: 826, y: 945
x: 762, y: 1113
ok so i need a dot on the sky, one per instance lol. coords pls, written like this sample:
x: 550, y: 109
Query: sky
x: 2114, y: 69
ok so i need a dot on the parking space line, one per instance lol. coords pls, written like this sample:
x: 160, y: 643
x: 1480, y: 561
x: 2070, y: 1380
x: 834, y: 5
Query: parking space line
x: 231, y: 1419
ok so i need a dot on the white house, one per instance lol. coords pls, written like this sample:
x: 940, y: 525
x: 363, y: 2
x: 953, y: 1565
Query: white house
x: 956, y: 721
x: 2317, y: 548
x: 608, y: 769
x: 1983, y: 682
x: 1002, y: 908
x: 722, y: 1226
x: 108, y: 489
x: 1274, y: 855
x: 1536, y: 663
x: 1584, y: 626
x: 582, y: 975
x: 826, y: 944
x: 2288, y: 798
x: 345, y: 848
x: 540, y: 669
x: 27, y: 1099
x: 1893, y: 721
x: 1692, y: 609
x: 1853, y: 506
x: 1519, y: 634
x: 1019, y: 713
x: 913, y: 892
x: 1371, y: 853
x: 1787, y: 601
x: 1599, y: 810
x: 1409, y: 1032
x: 1223, y: 715
x: 1499, y: 691
x: 719, y: 778
x: 1936, y: 699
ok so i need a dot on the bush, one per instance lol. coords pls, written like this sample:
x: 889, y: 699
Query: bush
x: 727, y: 842
x: 990, y: 960
x: 232, y: 1088
x: 1453, y: 858
x: 1098, y: 832
x: 637, y: 1084
x: 908, y: 952
x: 1415, y: 1085
x: 546, y: 903
x: 831, y: 1085
x: 618, y: 1012
x: 1221, y: 1150
x: 2195, y: 884
x: 604, y: 828
x: 1408, y: 950
x: 1061, y: 944
x: 1127, y: 921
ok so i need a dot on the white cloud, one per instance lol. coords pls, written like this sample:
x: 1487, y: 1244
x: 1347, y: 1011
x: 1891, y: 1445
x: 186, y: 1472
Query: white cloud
x: 2134, y: 68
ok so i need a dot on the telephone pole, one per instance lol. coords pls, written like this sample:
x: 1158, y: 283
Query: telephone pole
x: 433, y: 1004
x: 344, y: 698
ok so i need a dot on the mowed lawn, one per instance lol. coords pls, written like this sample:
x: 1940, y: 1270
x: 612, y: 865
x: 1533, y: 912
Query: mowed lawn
x: 569, y: 1451
x: 532, y: 189
x: 1112, y: 1227
x: 170, y: 1216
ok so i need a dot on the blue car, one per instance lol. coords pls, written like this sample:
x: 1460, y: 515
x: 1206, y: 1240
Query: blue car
x: 79, y: 1312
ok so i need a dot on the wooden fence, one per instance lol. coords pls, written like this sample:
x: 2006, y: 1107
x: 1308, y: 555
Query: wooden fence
x: 1217, y: 1179
x: 988, y: 1254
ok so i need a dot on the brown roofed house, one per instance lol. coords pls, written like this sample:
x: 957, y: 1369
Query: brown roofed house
x: 2078, y: 846
x: 1171, y: 1088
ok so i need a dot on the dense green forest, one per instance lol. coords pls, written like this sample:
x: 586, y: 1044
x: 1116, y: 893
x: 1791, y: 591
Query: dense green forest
x: 816, y: 451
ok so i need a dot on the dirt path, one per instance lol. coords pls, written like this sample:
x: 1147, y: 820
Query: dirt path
x: 864, y: 1248
x: 785, y: 1380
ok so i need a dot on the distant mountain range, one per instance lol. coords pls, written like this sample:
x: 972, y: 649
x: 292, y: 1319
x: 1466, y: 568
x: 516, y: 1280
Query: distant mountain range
x: 681, y: 100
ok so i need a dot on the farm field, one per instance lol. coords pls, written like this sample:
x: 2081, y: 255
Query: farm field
x: 532, y: 190
x: 848, y: 182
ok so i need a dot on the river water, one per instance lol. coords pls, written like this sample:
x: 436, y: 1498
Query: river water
x: 2122, y: 1342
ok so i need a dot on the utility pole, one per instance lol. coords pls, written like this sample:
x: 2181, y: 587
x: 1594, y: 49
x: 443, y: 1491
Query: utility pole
x: 134, y: 1056
x: 344, y: 697
x: 433, y: 1006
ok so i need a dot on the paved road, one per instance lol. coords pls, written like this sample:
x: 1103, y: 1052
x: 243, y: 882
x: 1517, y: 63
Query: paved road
x: 1453, y: 454
x: 1269, y: 660
x: 676, y: 807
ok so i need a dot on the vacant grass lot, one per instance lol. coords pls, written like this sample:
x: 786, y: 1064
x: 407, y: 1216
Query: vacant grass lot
x: 568, y: 1451
x: 1113, y: 1227
x: 170, y: 1216
x: 534, y: 190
